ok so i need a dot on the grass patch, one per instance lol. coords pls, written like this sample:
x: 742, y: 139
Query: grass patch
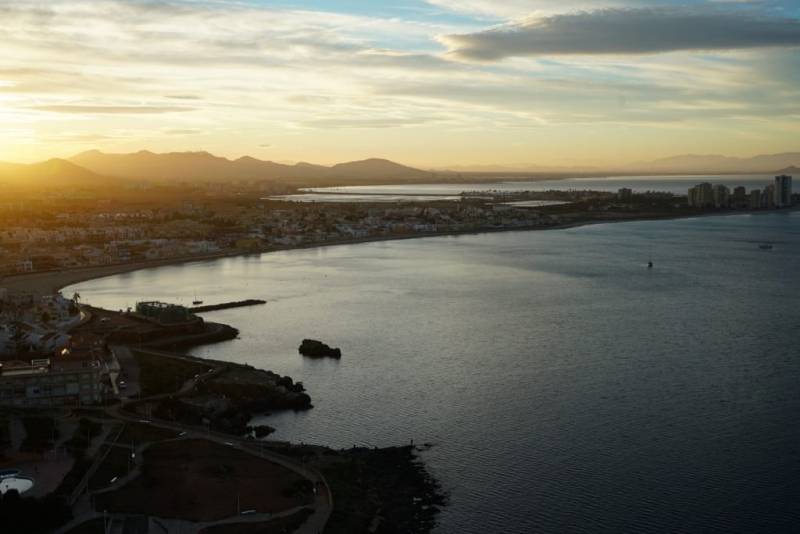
x: 41, y: 433
x: 81, y: 439
x: 115, y: 464
x: 199, y: 480
x: 138, y: 433
x: 161, y: 374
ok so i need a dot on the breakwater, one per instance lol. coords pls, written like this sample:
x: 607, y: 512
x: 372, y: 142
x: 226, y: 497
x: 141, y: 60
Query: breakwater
x: 227, y: 305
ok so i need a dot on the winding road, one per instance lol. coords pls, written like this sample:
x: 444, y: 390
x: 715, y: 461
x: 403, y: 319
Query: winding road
x: 323, y: 500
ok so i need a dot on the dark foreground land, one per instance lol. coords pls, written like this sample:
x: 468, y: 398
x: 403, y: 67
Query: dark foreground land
x: 386, y: 491
x: 181, y: 453
x: 198, y: 480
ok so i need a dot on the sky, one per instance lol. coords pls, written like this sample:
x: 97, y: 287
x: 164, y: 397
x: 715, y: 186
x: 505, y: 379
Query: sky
x: 431, y: 83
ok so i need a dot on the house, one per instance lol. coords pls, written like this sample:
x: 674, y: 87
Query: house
x: 24, y: 266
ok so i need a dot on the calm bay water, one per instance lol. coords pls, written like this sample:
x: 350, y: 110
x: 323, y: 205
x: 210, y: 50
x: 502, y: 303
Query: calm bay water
x: 671, y: 184
x: 566, y: 387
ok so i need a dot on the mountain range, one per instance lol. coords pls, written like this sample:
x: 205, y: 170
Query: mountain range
x: 48, y: 173
x: 202, y: 166
x: 94, y: 167
x: 716, y: 164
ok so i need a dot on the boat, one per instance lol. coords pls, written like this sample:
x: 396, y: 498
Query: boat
x: 196, y: 302
x: 650, y: 264
x: 765, y: 246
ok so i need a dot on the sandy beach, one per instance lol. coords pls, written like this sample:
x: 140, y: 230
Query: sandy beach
x: 48, y: 282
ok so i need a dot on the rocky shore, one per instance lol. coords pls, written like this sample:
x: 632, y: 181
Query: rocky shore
x: 225, y: 396
x: 380, y: 491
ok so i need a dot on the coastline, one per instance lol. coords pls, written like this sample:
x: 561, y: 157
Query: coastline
x: 415, y: 478
x: 46, y: 282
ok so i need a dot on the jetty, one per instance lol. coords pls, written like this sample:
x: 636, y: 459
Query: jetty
x: 227, y: 305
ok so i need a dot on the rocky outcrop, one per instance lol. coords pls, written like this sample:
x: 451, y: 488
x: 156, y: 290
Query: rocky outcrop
x: 317, y: 349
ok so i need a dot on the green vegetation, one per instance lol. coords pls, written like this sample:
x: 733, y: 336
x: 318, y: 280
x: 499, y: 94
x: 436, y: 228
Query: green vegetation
x: 161, y: 374
x: 118, y: 460
x: 74, y: 476
x: 163, y: 312
x: 115, y: 464
x: 138, y: 433
x: 41, y: 433
x: 79, y: 443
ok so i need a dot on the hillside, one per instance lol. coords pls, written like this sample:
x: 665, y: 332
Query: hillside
x: 52, y: 173
x: 791, y: 171
x: 713, y: 164
x: 202, y: 166
x: 374, y: 167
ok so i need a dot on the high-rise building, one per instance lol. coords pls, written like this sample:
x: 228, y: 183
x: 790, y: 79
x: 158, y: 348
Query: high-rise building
x: 768, y: 197
x: 721, y: 196
x: 755, y: 199
x: 701, y: 195
x: 783, y: 191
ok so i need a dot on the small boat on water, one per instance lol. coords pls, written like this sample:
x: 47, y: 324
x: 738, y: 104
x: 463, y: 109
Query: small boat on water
x: 196, y: 301
x: 650, y: 264
x: 765, y: 246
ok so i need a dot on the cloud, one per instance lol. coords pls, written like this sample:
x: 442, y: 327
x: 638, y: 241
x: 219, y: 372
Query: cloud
x: 103, y: 110
x: 182, y: 131
x: 78, y: 137
x: 628, y: 31
x: 504, y: 9
x: 367, y: 123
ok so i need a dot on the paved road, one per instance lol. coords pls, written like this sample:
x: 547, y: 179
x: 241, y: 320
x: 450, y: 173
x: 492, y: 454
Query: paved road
x: 323, y: 501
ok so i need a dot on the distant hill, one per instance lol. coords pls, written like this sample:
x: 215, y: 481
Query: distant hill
x: 791, y: 171
x: 370, y: 168
x: 52, y: 173
x: 202, y: 166
x: 713, y: 164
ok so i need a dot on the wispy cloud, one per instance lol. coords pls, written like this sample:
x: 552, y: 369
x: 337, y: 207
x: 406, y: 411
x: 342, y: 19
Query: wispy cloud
x: 105, y: 110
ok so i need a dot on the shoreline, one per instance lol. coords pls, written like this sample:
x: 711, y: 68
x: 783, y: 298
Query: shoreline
x: 57, y: 280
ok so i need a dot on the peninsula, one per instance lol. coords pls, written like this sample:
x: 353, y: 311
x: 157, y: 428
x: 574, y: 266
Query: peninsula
x: 120, y: 427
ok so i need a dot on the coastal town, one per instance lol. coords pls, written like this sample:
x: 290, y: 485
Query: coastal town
x: 82, y: 389
x: 95, y: 230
